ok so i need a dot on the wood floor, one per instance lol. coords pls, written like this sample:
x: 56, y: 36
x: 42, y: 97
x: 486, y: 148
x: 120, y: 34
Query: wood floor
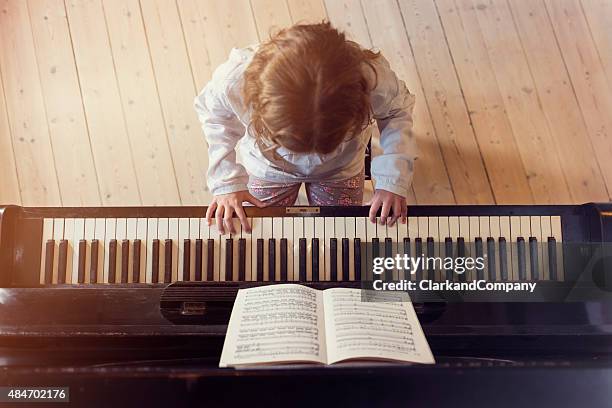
x: 514, y: 97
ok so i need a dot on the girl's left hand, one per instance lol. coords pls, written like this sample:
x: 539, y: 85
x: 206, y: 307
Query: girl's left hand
x: 388, y: 201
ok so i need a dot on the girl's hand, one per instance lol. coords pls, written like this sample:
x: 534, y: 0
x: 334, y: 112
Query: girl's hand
x: 223, y: 207
x: 388, y: 201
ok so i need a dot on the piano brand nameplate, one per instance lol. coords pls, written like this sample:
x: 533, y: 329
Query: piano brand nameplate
x: 303, y: 210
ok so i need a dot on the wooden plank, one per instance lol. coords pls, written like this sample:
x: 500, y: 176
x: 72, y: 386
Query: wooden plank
x: 25, y: 108
x: 485, y: 102
x: 212, y: 29
x: 176, y: 91
x: 431, y: 183
x: 521, y: 99
x: 559, y: 102
x: 270, y: 16
x: 444, y: 96
x: 109, y: 140
x: 599, y: 18
x: 348, y: 16
x: 141, y: 107
x: 587, y: 76
x: 307, y: 11
x: 9, y: 187
x: 62, y: 95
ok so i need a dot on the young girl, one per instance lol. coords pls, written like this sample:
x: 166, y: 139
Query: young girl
x: 300, y: 109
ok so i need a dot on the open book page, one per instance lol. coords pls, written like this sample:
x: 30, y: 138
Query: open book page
x: 373, y: 329
x: 275, y: 324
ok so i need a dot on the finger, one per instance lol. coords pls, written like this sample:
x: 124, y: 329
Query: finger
x: 397, y: 208
x: 227, y: 219
x: 210, y: 212
x: 373, y: 210
x: 243, y: 218
x: 386, y: 208
x: 254, y: 200
x: 219, y: 219
x: 404, y: 211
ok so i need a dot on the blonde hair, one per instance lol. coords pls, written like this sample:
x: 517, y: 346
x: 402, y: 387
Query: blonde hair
x: 307, y: 89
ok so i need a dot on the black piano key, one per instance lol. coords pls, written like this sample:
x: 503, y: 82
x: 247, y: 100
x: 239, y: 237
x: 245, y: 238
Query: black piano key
x: 375, y: 253
x: 198, y: 259
x: 315, y: 259
x: 333, y: 259
x: 302, y: 259
x: 521, y: 258
x: 155, y: 261
x: 93, y: 267
x: 461, y: 254
x: 479, y: 254
x: 62, y: 261
x: 112, y: 260
x: 357, y: 258
x: 271, y: 259
x: 81, y: 261
x: 210, y: 260
x: 229, y: 259
x: 431, y: 272
x: 345, y: 259
x: 407, y: 274
x: 125, y: 259
x: 186, y: 259
x: 448, y: 253
x: 49, y: 253
x: 283, y: 260
x: 167, y: 261
x: 388, y: 254
x: 418, y: 249
x: 136, y: 260
x: 491, y: 258
x: 533, y: 258
x: 260, y: 256
x: 503, y: 259
x: 241, y: 259
x: 552, y: 258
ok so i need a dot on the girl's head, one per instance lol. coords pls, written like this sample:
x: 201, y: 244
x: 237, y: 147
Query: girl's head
x: 308, y: 89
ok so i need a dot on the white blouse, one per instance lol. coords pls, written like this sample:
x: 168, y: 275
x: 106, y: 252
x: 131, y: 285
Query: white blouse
x: 225, y: 119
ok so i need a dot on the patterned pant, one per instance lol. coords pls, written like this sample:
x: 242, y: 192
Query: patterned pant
x: 321, y: 193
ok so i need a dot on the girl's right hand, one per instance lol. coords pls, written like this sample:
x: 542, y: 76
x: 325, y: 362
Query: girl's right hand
x: 223, y: 206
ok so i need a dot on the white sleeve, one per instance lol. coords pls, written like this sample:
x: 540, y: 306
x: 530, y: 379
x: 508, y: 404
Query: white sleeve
x: 392, y: 104
x: 222, y: 130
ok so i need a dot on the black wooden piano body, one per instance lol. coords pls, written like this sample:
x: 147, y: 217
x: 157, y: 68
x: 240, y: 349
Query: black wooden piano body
x: 132, y: 340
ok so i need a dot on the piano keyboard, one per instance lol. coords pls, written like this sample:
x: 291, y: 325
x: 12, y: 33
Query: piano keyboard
x: 164, y: 250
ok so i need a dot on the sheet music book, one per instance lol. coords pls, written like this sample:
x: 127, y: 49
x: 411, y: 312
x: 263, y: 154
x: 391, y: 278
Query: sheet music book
x: 292, y: 323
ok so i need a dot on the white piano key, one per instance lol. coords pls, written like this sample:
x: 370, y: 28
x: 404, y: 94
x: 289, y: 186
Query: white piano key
x: 120, y: 235
x: 173, y: 235
x: 100, y: 235
x: 423, y: 229
x: 215, y: 235
x: 433, y: 232
x: 256, y: 233
x: 309, y: 234
x: 288, y: 234
x: 277, y: 228
x: 74, y: 231
x: 205, y: 235
x: 110, y: 227
x: 413, y: 228
x: 546, y: 233
x: 329, y: 227
x: 443, y: 233
x: 132, y: 224
x: 361, y: 233
x: 464, y: 228
x: 266, y: 234
x: 320, y: 234
x: 349, y: 226
x: 183, y: 234
x: 515, y: 232
x: 162, y: 235
x: 454, y: 228
x: 58, y: 235
x: 536, y: 232
x: 495, y: 233
x: 47, y: 234
x: 504, y: 226
x: 526, y: 233
x: 298, y: 232
x: 340, y: 232
x: 152, y: 230
x: 371, y: 232
x: 485, y: 233
x: 235, y: 237
x: 556, y: 231
x: 248, y: 269
x: 141, y: 234
x: 194, y: 234
x: 90, y: 231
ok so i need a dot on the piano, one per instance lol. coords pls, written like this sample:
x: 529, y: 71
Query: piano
x: 137, y: 299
